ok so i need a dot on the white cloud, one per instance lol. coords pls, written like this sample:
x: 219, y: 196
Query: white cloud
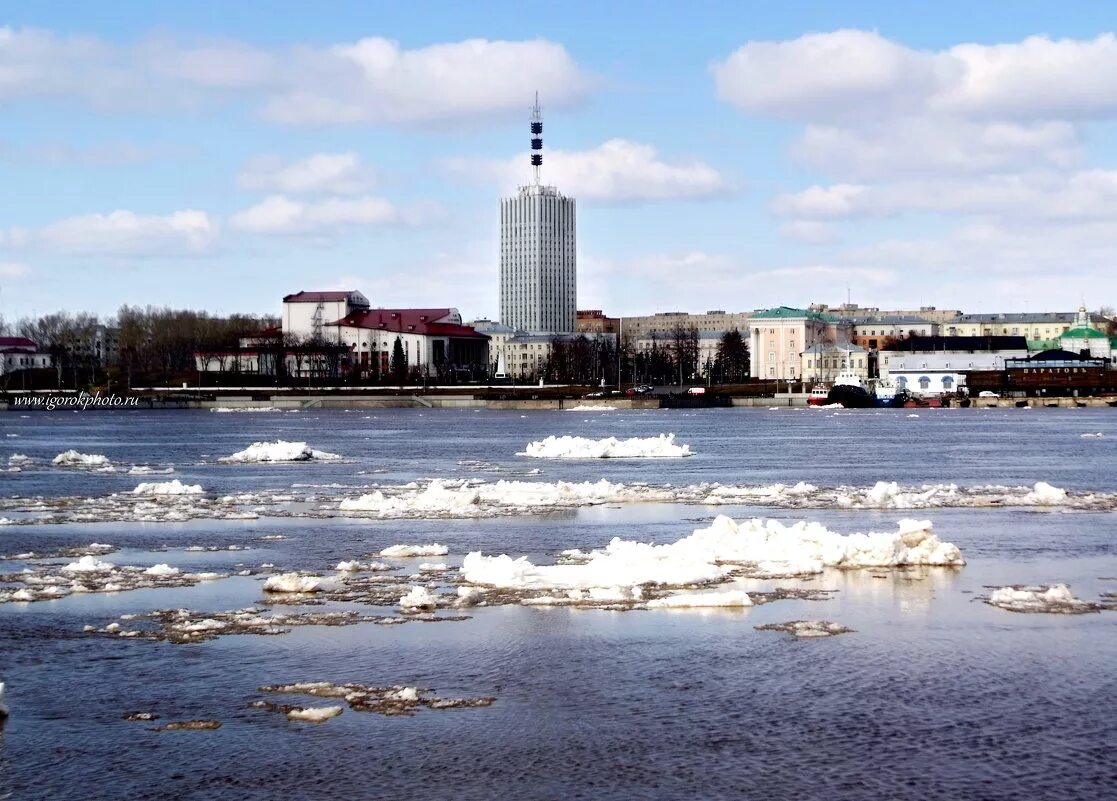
x: 371, y: 80
x: 375, y: 80
x: 811, y: 232
x: 1082, y: 195
x: 121, y: 233
x: 853, y: 73
x: 13, y: 270
x: 329, y: 173
x: 279, y: 214
x: 616, y: 171
x: 926, y: 146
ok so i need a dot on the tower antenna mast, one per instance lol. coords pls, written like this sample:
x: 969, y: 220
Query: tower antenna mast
x: 536, y: 140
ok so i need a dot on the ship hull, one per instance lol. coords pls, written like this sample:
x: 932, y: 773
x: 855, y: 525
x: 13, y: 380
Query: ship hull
x: 852, y: 397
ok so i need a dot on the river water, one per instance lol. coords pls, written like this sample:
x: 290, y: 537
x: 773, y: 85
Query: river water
x: 934, y: 695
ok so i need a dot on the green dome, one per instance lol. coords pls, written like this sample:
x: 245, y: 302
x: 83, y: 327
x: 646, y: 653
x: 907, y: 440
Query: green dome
x: 1083, y: 333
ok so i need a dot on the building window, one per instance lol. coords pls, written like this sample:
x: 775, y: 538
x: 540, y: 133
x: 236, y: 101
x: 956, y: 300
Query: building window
x: 947, y: 382
x: 924, y: 382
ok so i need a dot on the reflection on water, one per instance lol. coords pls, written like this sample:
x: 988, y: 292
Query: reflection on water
x: 934, y: 696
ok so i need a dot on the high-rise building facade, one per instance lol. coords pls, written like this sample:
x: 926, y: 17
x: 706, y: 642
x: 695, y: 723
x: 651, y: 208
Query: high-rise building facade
x: 538, y: 252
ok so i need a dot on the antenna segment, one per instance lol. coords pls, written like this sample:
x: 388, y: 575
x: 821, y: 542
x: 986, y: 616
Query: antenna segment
x: 536, y: 140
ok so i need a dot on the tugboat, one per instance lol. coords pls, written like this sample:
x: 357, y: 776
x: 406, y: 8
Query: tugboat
x: 820, y: 395
x: 850, y: 391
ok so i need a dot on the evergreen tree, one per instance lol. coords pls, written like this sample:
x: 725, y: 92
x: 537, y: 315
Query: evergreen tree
x: 398, y: 365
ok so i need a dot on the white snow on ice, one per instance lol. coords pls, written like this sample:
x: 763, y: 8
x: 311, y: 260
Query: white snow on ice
x: 174, y: 487
x: 567, y: 447
x: 279, y: 451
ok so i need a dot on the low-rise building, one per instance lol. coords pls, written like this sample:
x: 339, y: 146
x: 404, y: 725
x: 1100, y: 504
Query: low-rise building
x: 663, y: 324
x: 21, y: 353
x: 935, y: 365
x: 1037, y: 327
x: 876, y: 332
x: 595, y: 321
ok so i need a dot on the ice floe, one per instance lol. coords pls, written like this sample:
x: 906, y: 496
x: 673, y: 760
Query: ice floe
x: 189, y: 725
x: 174, y: 487
x: 1055, y: 599
x: 90, y: 574
x: 806, y: 628
x: 757, y: 547
x: 391, y: 700
x: 292, y: 582
x: 148, y: 470
x: 314, y: 714
x: 567, y: 447
x: 243, y: 409
x: 73, y: 458
x: 419, y: 598
x: 402, y: 551
x: 591, y: 408
x: 279, y: 451
x: 185, y: 626
x: 1044, y: 494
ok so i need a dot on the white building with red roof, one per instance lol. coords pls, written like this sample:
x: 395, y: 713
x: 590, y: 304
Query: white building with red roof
x: 20, y: 353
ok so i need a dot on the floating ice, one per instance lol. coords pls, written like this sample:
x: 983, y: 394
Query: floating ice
x: 88, y: 564
x: 279, y: 451
x: 292, y: 582
x: 399, y: 551
x: 355, y: 566
x: 705, y: 556
x: 1043, y: 494
x: 1056, y: 598
x: 419, y: 598
x: 240, y: 409
x: 314, y: 714
x: 1098, y: 435
x: 162, y: 569
x: 72, y: 458
x: 175, y: 487
x: 434, y: 567
x: 590, y: 408
x: 568, y: 447
x: 701, y: 599
x: 807, y: 628
x: 148, y: 470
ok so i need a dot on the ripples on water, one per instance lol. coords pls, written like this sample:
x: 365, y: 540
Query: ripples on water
x: 935, y: 695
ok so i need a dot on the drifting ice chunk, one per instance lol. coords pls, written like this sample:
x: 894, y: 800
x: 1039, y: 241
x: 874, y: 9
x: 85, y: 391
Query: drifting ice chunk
x: 1043, y: 494
x: 703, y: 556
x: 418, y: 598
x: 403, y: 694
x: 552, y: 447
x: 72, y: 458
x: 88, y: 564
x: 314, y: 714
x: 175, y: 487
x: 279, y: 451
x: 437, y: 497
x: 292, y: 582
x: 147, y: 470
x: 1056, y: 598
x: 702, y: 599
x: 590, y: 408
x: 162, y: 570
x: 3, y: 704
x: 399, y: 551
x: 434, y: 567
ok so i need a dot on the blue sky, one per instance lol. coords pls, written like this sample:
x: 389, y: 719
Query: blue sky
x: 724, y: 155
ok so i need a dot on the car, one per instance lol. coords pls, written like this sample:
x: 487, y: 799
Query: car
x: 643, y: 389
x: 988, y: 393
x: 595, y: 395
x: 696, y: 391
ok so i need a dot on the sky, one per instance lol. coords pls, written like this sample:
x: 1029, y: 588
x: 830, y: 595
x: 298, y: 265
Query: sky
x: 724, y: 155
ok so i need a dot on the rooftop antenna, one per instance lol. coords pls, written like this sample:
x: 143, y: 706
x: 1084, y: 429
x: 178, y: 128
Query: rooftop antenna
x: 536, y: 139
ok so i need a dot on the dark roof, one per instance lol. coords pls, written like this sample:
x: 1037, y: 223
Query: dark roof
x: 920, y: 344
x: 17, y: 342
x: 409, y: 321
x: 317, y: 297
x: 1057, y: 355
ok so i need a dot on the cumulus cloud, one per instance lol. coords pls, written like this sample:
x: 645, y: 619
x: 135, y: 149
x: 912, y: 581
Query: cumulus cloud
x: 121, y: 233
x: 924, y: 146
x: 616, y: 171
x: 371, y: 80
x: 852, y: 73
x: 326, y: 173
x: 1081, y: 195
x: 280, y: 214
x: 12, y: 270
x: 812, y: 232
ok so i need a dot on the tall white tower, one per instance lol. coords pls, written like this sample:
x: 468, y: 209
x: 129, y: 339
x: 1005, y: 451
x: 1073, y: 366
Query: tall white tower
x: 538, y: 251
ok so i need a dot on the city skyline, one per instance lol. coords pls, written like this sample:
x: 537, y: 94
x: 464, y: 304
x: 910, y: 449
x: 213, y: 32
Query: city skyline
x: 761, y: 160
